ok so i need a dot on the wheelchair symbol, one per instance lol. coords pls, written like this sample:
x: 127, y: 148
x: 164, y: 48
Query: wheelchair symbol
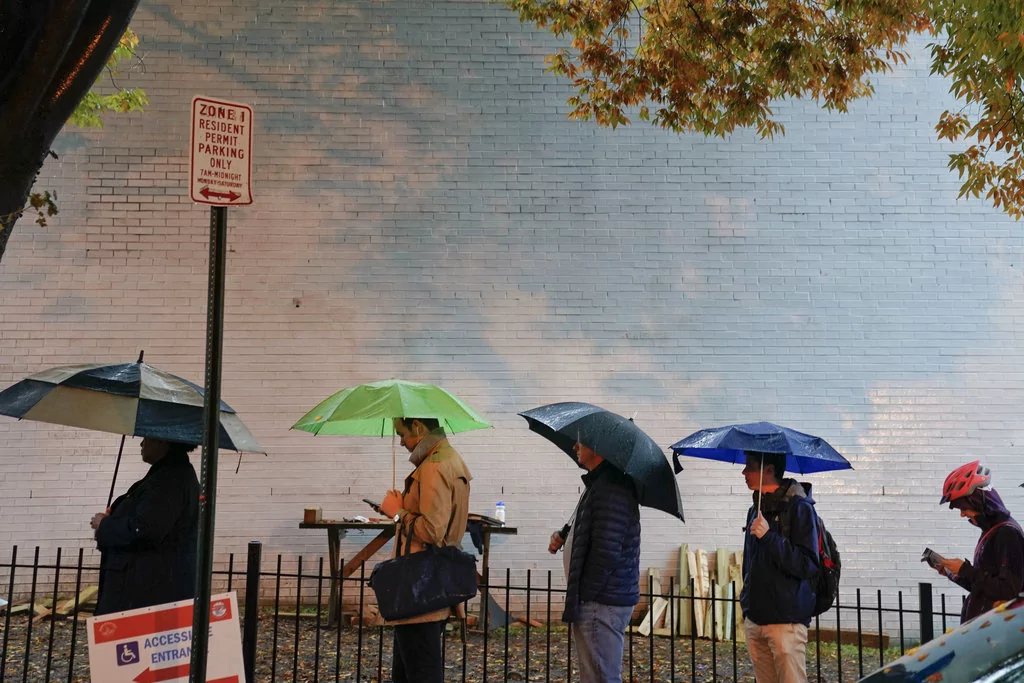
x: 127, y: 653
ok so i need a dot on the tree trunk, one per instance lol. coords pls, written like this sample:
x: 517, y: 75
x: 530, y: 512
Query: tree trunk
x: 51, y: 53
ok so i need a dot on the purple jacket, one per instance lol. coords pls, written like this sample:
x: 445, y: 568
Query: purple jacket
x: 997, y: 572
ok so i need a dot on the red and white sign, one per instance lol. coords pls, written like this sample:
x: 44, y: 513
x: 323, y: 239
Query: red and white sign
x: 220, y: 152
x: 154, y: 644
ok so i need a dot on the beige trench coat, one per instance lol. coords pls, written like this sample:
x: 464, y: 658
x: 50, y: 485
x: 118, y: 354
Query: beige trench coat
x: 435, y: 505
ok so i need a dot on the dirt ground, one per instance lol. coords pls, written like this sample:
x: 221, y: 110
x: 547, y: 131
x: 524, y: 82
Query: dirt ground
x: 298, y: 652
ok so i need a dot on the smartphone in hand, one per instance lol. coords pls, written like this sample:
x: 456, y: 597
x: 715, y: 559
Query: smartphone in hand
x: 375, y: 506
x: 933, y: 559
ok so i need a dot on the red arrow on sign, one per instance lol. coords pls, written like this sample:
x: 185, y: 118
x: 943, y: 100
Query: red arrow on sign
x: 157, y: 675
x: 230, y: 196
x: 170, y: 673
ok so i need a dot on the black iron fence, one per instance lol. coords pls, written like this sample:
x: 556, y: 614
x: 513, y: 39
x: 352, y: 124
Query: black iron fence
x: 513, y: 631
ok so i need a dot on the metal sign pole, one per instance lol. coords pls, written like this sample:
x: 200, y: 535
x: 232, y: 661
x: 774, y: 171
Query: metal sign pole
x: 207, y: 500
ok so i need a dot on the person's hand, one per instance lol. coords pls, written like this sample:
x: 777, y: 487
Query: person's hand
x: 759, y: 527
x: 392, y: 503
x: 96, y: 519
x: 557, y: 541
x: 953, y: 565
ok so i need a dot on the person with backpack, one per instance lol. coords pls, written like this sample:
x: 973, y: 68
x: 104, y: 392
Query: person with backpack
x: 997, y: 572
x: 780, y: 570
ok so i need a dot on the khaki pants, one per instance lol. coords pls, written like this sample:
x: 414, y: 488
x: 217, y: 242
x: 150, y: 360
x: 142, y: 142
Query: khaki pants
x: 778, y: 652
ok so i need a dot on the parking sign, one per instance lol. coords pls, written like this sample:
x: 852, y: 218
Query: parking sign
x: 220, y: 152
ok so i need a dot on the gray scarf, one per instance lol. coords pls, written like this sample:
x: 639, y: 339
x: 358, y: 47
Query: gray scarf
x: 426, y: 444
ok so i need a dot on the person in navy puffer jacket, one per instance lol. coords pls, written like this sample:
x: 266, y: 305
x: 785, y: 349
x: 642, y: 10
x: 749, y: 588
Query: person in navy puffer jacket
x: 780, y: 566
x: 602, y: 567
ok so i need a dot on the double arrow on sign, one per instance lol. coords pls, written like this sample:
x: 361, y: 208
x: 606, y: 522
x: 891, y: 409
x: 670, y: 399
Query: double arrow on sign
x: 173, y: 672
x: 230, y: 196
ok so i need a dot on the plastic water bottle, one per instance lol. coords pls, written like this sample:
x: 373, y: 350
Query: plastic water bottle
x: 499, y: 512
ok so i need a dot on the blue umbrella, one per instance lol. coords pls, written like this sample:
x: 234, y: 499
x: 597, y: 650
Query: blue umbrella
x: 804, y: 453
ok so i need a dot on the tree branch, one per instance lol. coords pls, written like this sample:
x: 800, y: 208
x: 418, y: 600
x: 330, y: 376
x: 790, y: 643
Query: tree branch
x: 68, y: 44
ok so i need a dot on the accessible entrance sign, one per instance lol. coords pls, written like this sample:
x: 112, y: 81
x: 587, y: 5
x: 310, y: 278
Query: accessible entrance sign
x: 220, y: 152
x: 154, y: 644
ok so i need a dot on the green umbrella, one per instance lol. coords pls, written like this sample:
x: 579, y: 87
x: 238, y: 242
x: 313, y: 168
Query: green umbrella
x: 369, y: 409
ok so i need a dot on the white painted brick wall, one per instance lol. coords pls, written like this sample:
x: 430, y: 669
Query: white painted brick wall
x: 425, y: 210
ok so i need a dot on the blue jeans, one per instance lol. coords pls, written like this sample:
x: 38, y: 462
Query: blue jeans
x: 599, y: 635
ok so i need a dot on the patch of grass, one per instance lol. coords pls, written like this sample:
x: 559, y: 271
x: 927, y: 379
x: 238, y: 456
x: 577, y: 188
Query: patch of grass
x: 850, y: 651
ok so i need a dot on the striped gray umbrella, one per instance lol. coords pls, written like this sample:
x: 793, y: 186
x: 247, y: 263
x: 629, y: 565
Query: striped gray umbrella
x: 134, y: 399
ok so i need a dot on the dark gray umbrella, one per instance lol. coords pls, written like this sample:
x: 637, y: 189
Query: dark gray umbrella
x: 616, y: 439
x: 135, y: 399
x: 131, y: 399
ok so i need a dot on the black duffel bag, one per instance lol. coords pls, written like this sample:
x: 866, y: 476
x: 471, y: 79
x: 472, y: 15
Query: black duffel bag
x: 413, y: 584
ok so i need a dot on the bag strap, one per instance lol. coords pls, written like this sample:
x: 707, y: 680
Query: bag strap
x: 451, y: 520
x: 988, y: 533
x: 448, y: 529
x: 786, y: 524
x: 408, y: 538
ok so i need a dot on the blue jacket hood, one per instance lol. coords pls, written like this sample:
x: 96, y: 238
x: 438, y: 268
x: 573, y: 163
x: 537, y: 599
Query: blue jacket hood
x: 787, y: 491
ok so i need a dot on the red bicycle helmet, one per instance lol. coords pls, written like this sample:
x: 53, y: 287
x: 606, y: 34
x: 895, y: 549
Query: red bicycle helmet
x: 963, y: 481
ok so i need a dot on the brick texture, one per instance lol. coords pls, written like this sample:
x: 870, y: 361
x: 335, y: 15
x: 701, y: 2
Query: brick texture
x: 424, y: 209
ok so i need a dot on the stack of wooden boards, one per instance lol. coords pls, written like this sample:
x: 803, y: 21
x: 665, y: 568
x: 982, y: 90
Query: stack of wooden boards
x: 684, y: 606
x: 44, y: 608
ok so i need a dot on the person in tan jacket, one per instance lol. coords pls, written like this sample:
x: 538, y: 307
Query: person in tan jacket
x: 431, y: 510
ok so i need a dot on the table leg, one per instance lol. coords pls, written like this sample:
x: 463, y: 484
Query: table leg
x: 485, y: 578
x: 334, y: 557
x: 369, y: 551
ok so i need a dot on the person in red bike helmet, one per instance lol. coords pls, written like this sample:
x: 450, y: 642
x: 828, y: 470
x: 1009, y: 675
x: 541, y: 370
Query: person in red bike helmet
x: 997, y: 571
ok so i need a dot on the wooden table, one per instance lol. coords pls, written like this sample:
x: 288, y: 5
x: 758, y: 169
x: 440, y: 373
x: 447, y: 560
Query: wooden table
x: 335, y: 532
x: 489, y: 529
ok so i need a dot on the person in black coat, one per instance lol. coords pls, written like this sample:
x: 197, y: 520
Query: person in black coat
x: 603, y: 567
x: 148, y: 539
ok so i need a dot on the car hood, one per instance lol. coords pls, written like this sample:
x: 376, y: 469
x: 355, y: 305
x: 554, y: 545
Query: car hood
x: 982, y: 646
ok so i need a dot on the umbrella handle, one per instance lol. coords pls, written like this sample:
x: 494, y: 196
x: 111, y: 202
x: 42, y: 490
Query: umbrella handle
x: 760, y: 486
x: 117, y: 465
x: 120, y: 450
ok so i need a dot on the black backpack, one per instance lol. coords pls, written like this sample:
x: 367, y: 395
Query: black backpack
x: 827, y: 591
x: 826, y: 588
